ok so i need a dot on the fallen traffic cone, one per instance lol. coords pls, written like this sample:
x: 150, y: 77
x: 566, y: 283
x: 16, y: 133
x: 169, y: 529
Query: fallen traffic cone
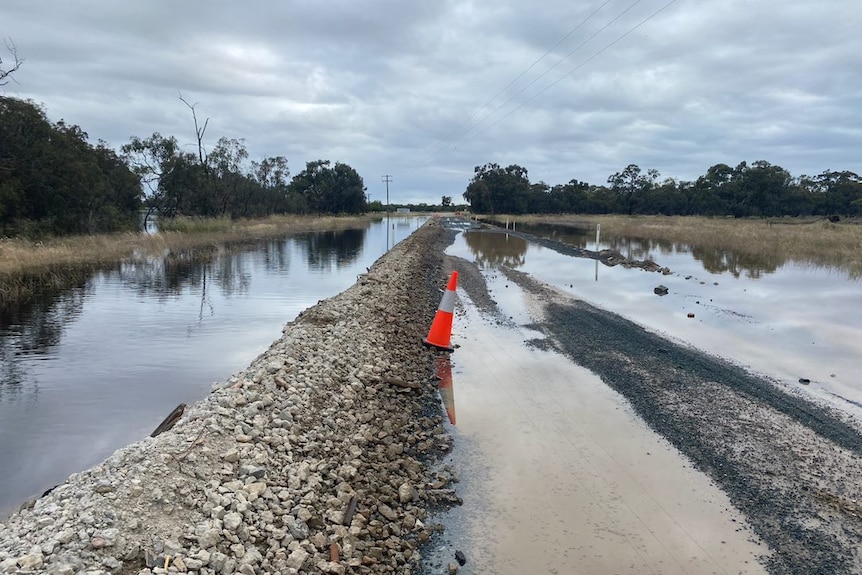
x: 440, y: 334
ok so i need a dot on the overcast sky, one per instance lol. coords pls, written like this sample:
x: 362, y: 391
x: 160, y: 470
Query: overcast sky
x: 426, y: 90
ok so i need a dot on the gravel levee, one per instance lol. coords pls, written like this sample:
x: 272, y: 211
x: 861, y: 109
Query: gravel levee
x: 793, y: 467
x: 321, y: 457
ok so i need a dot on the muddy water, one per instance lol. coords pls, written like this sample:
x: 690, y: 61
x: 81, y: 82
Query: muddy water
x: 95, y: 367
x: 789, y: 322
x: 559, y: 476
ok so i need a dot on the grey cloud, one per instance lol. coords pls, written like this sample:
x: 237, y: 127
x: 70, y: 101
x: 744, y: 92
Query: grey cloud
x: 390, y: 86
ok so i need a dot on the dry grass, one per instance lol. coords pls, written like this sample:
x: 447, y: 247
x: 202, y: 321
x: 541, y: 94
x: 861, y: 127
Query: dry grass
x: 24, y: 256
x: 815, y: 242
x: 26, y: 266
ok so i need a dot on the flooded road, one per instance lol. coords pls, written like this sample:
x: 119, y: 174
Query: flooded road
x: 560, y: 476
x: 794, y: 322
x: 98, y: 366
x: 560, y: 473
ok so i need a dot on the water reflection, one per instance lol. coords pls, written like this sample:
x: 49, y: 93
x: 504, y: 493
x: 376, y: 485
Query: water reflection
x: 115, y: 349
x: 326, y: 250
x: 30, y: 331
x: 35, y: 326
x: 276, y: 255
x: 713, y: 259
x: 718, y: 261
x: 492, y: 249
x: 443, y: 370
x: 579, y: 237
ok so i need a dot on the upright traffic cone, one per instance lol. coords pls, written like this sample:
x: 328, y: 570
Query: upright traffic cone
x: 440, y: 334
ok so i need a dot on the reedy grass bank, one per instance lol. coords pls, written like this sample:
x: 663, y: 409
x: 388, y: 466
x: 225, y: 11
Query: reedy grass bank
x: 26, y: 266
x: 816, y: 242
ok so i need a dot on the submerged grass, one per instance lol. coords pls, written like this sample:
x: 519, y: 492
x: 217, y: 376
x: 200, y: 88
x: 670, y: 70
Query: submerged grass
x: 816, y: 242
x: 27, y: 266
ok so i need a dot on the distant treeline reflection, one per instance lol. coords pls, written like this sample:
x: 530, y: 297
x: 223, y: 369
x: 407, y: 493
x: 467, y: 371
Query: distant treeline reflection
x: 36, y: 325
x: 44, y: 320
x: 338, y: 248
x: 496, y: 249
x: 714, y: 259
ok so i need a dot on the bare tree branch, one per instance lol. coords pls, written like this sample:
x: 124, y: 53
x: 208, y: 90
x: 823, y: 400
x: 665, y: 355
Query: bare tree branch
x: 199, y: 131
x: 6, y: 75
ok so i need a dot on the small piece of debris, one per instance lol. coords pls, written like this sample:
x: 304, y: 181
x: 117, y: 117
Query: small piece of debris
x: 459, y: 556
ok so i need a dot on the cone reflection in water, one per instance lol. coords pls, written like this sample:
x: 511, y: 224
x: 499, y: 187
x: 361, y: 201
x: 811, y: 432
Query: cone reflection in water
x: 443, y: 369
x: 440, y: 334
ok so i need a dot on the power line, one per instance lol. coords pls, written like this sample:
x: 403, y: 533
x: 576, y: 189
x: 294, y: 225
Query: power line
x: 518, y: 77
x: 531, y: 66
x: 557, y: 63
x: 579, y: 66
x: 545, y: 89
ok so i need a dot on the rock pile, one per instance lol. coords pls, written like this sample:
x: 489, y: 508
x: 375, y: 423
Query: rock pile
x: 318, y: 458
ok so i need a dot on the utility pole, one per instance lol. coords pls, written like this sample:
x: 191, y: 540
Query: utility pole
x: 386, y: 179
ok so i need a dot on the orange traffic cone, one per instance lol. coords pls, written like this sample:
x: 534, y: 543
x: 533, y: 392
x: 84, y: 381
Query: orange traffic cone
x: 440, y: 334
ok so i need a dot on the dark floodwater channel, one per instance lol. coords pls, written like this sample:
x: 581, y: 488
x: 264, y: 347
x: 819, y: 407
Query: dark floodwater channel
x: 97, y: 366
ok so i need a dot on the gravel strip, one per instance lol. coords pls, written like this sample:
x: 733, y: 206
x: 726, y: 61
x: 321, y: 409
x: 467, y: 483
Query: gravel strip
x: 793, y: 467
x: 320, y: 457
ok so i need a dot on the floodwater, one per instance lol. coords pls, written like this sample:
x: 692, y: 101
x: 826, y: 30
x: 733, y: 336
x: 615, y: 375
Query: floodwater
x: 784, y: 320
x: 98, y: 366
x: 557, y: 473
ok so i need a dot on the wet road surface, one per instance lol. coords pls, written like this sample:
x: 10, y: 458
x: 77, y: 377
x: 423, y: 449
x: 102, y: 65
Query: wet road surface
x: 588, y: 445
x: 571, y: 481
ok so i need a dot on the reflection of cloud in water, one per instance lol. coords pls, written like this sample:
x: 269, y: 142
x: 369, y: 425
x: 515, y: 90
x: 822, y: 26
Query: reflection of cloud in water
x: 34, y: 327
x: 495, y: 249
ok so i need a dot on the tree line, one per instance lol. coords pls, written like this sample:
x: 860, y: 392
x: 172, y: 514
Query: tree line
x: 53, y: 181
x: 759, y: 189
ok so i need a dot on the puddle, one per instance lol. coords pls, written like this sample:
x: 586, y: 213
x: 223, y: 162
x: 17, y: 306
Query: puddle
x: 798, y: 322
x: 446, y: 386
x: 559, y: 476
